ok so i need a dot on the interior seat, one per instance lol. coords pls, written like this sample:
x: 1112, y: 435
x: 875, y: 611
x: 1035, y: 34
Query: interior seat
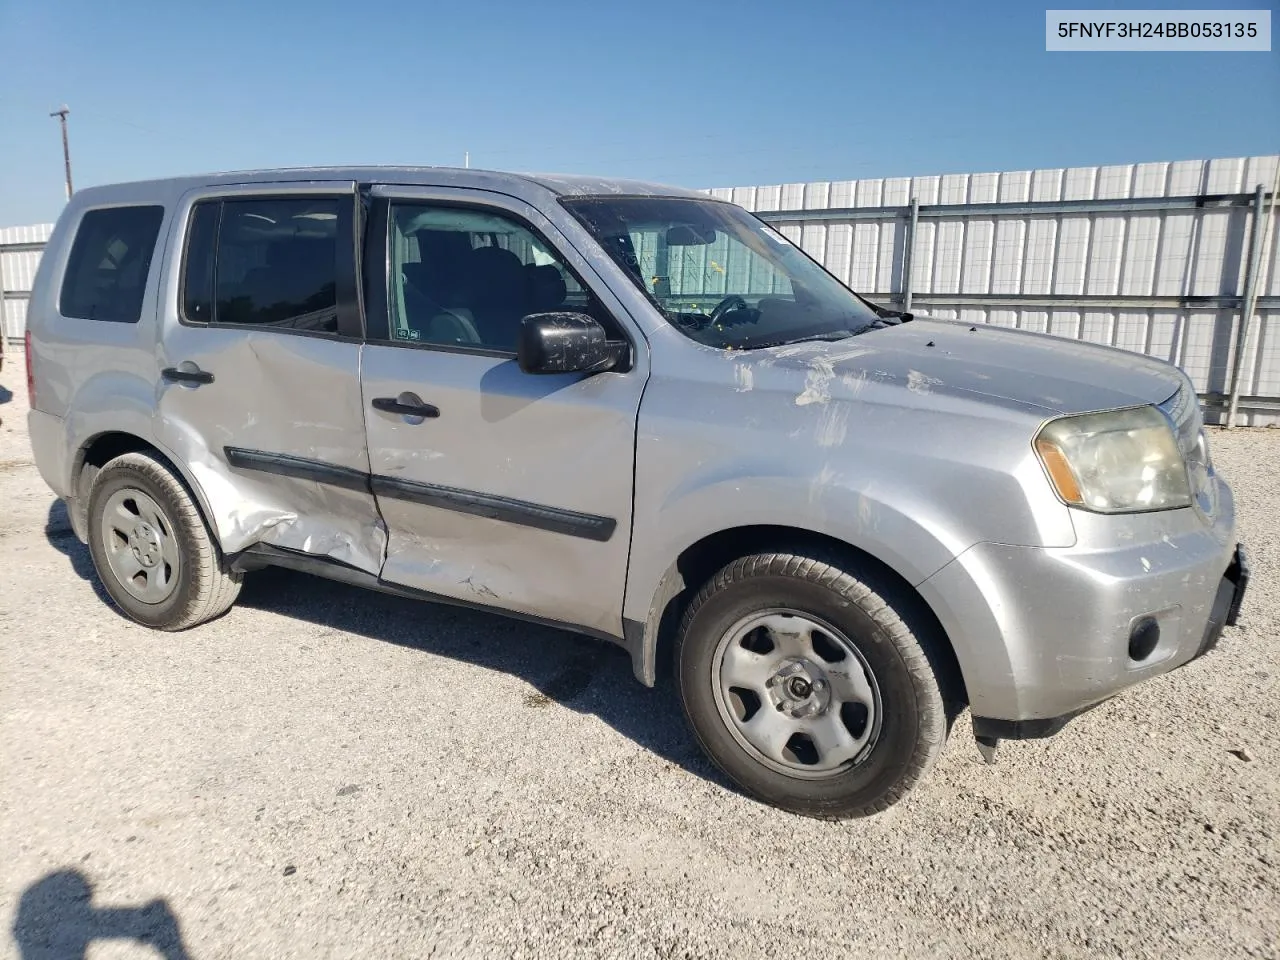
x: 499, y: 293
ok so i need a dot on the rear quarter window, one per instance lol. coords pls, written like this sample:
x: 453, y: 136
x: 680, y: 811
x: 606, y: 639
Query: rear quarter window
x: 109, y: 264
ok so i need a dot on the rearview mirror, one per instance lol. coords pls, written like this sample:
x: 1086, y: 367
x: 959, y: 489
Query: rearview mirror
x: 566, y: 343
x: 689, y: 235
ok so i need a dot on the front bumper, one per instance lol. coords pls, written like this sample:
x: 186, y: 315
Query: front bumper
x: 1042, y: 634
x: 1225, y: 613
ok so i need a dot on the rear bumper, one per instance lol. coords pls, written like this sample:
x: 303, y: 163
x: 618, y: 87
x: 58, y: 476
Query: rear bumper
x: 48, y: 436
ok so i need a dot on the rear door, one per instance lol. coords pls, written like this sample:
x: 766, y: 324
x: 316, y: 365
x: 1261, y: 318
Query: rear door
x: 515, y: 491
x: 260, y: 368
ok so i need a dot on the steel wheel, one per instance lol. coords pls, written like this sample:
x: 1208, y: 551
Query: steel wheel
x: 141, y: 548
x: 796, y: 693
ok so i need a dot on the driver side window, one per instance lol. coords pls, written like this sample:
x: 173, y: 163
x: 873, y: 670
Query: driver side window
x: 466, y: 277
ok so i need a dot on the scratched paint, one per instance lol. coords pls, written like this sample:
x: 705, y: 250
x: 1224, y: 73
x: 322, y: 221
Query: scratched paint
x: 823, y: 479
x: 852, y: 353
x: 817, y: 383
x: 918, y: 382
x: 833, y: 424
x: 854, y: 383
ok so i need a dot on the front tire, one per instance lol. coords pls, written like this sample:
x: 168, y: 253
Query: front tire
x: 151, y: 548
x: 806, y: 686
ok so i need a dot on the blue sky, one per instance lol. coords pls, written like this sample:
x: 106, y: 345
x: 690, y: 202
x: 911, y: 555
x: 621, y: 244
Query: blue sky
x: 696, y: 94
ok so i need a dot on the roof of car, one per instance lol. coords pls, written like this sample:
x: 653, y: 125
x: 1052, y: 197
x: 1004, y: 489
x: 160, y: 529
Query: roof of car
x: 502, y: 181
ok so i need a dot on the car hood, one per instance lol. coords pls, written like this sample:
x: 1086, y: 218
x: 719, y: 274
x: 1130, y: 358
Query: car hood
x: 1013, y: 368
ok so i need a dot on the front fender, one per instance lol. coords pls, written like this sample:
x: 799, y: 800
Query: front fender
x: 913, y: 544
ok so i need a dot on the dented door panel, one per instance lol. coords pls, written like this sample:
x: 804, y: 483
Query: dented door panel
x: 271, y: 403
x: 276, y: 396
x: 517, y: 494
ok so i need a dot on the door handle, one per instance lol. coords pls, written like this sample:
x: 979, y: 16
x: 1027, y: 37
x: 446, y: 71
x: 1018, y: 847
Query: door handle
x: 193, y: 377
x: 393, y: 405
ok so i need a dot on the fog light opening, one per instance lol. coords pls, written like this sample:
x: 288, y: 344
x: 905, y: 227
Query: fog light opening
x: 1143, y: 639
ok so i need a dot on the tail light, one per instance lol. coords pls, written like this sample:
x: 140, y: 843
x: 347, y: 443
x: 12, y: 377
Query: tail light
x: 31, y: 377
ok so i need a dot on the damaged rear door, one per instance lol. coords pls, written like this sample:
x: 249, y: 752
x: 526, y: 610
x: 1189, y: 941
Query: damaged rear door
x: 259, y: 368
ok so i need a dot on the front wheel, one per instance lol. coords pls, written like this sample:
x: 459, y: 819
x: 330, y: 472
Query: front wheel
x: 151, y: 548
x: 804, y: 683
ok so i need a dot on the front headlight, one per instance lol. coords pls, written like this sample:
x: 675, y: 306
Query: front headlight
x: 1200, y: 473
x: 1122, y: 461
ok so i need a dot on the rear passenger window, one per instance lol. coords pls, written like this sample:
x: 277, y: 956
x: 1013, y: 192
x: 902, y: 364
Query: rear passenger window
x: 263, y: 262
x: 109, y: 263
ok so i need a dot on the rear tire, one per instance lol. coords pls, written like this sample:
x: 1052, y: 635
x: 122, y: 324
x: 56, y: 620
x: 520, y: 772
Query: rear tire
x: 805, y: 685
x: 151, y: 549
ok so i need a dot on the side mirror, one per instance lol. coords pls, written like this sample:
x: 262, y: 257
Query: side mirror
x: 566, y: 343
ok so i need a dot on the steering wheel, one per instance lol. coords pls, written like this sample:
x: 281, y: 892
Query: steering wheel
x: 733, y: 301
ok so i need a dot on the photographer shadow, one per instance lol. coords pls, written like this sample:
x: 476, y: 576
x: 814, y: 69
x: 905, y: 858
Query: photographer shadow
x: 56, y: 920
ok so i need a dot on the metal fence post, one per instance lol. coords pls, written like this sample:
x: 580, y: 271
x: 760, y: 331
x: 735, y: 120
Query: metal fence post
x: 1249, y: 300
x: 909, y: 246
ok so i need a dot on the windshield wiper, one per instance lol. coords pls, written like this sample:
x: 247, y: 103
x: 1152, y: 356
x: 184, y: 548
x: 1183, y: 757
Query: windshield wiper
x: 830, y: 336
x: 884, y: 313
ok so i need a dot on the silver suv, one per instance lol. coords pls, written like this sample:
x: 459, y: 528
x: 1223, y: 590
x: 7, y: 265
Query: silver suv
x: 641, y: 414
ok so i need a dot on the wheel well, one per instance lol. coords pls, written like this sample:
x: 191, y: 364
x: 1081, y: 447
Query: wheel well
x: 107, y: 446
x: 104, y: 448
x: 96, y: 454
x: 700, y: 561
x: 100, y: 451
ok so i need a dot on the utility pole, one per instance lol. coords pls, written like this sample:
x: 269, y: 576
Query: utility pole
x: 61, y: 114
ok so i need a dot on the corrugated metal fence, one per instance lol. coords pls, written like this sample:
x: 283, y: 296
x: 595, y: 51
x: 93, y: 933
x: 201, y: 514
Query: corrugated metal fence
x: 20, y: 249
x: 1151, y: 257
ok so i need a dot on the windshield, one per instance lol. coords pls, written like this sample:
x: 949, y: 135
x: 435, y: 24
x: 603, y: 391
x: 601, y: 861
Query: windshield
x: 720, y: 275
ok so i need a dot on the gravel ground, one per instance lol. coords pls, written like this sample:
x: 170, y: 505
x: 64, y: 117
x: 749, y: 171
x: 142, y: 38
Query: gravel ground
x: 327, y: 772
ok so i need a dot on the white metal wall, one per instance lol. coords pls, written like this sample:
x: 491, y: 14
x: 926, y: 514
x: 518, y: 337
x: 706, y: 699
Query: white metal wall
x: 1054, y: 259
x: 1125, y: 256
x: 17, y: 270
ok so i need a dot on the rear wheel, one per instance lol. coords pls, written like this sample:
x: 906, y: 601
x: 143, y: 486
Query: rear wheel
x: 805, y: 684
x: 151, y: 548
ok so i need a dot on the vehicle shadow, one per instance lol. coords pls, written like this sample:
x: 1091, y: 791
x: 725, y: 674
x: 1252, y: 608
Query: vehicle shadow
x: 585, y: 674
x: 582, y: 673
x: 57, y: 530
x: 5, y: 394
x: 56, y: 920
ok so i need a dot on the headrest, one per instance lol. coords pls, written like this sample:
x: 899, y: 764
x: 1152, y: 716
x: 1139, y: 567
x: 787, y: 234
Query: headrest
x: 548, y: 285
x: 497, y: 276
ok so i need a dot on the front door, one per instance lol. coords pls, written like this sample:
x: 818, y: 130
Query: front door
x: 497, y: 487
x: 260, y: 370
